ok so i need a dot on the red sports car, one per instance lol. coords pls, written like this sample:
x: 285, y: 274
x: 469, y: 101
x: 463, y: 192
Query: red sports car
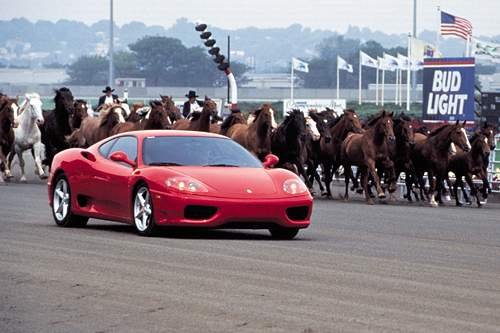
x: 176, y: 178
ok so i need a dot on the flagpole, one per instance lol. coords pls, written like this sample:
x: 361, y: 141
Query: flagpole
x: 338, y: 92
x: 291, y: 85
x: 396, y: 90
x: 467, y: 47
x: 401, y: 87
x: 408, y: 74
x: 359, y: 78
x: 383, y: 83
x: 438, y: 32
x: 376, y: 86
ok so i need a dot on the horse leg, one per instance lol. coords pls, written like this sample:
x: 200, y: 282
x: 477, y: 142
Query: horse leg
x: 373, y: 172
x: 10, y: 157
x: 21, y: 164
x: 37, y: 152
x: 327, y: 169
x: 364, y: 183
x: 455, y: 191
x: 347, y: 176
x: 3, y: 166
x: 432, y: 188
x: 302, y: 172
x: 464, y: 192
x: 473, y: 189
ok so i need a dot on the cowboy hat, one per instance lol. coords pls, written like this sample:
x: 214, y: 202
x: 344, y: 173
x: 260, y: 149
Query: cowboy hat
x: 108, y: 89
x: 191, y: 94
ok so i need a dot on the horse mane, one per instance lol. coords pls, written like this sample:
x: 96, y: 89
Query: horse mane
x: 106, y: 113
x: 195, y: 116
x: 81, y: 101
x: 373, y: 120
x: 440, y: 129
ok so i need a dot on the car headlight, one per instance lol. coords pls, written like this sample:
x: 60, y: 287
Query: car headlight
x: 185, y: 184
x: 294, y: 186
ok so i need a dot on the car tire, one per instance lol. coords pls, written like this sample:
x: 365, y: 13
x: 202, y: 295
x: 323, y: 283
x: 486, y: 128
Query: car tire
x: 61, y: 205
x: 283, y: 233
x: 142, y: 211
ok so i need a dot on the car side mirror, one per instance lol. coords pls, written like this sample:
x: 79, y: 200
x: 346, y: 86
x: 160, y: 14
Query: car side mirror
x: 270, y: 161
x: 119, y: 156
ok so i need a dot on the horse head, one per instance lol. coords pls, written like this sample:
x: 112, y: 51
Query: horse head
x: 489, y: 131
x: 403, y: 130
x: 111, y: 115
x: 158, y: 117
x: 322, y: 125
x: 81, y: 111
x: 7, y: 114
x: 312, y: 127
x: 480, y: 145
x: 383, y: 125
x: 33, y: 104
x: 458, y: 136
x: 64, y: 101
x: 352, y: 122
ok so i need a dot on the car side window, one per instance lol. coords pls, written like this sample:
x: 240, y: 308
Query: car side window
x: 105, y: 147
x: 126, y: 144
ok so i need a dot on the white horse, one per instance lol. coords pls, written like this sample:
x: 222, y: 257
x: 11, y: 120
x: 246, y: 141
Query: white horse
x: 27, y: 134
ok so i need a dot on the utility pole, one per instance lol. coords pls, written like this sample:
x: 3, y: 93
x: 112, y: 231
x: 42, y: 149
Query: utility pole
x: 414, y: 78
x: 110, y: 50
x: 229, y: 62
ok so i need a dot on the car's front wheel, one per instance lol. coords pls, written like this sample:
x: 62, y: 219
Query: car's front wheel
x: 143, y: 212
x: 61, y: 205
x: 283, y: 233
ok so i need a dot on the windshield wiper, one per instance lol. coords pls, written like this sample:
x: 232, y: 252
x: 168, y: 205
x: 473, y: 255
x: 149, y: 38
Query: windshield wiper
x: 165, y: 164
x: 222, y: 165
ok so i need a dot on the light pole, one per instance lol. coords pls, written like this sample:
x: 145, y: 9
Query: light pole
x: 110, y: 50
x: 414, y: 78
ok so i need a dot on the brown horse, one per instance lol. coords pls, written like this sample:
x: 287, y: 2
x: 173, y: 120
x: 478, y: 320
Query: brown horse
x: 200, y: 121
x: 95, y: 129
x: 471, y: 164
x: 80, y: 113
x: 366, y: 149
x: 255, y: 137
x: 6, y: 133
x: 236, y: 117
x: 156, y: 118
x: 340, y: 127
x: 431, y: 156
x: 173, y: 111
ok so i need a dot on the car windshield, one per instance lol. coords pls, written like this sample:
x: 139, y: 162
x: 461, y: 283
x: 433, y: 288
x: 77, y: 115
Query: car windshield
x: 196, y: 151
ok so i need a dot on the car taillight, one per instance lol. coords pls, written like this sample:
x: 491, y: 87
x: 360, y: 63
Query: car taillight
x: 294, y: 186
x: 185, y: 184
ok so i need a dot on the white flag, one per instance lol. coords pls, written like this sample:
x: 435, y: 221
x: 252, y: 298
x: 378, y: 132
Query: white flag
x: 391, y: 62
x: 385, y: 65
x: 342, y: 64
x: 367, y: 61
x: 486, y: 50
x: 300, y: 65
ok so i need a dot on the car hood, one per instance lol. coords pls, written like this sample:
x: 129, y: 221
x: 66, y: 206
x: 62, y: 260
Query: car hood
x: 247, y: 182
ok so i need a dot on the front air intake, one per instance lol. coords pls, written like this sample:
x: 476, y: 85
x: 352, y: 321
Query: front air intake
x: 194, y: 212
x: 297, y: 213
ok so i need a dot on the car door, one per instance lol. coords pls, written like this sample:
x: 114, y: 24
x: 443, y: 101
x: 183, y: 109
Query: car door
x: 111, y: 180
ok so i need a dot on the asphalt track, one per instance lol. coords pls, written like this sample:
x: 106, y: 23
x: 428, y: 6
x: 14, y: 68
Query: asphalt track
x: 387, y: 267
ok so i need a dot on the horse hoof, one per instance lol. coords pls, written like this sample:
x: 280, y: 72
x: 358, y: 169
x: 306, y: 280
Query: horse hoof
x: 44, y: 176
x: 359, y: 191
x: 434, y: 204
x: 369, y: 202
x: 381, y: 196
x: 468, y: 203
x: 459, y: 204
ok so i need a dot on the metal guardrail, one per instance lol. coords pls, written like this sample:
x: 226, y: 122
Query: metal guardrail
x: 494, y: 167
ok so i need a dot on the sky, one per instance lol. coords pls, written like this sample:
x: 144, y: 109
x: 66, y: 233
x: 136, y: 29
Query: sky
x: 390, y: 16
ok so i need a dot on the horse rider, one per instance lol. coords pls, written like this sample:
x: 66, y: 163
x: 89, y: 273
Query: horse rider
x: 108, y: 97
x: 192, y: 104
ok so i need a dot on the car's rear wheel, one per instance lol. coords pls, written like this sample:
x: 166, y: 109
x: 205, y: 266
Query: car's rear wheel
x: 283, y: 233
x: 61, y: 205
x: 143, y: 212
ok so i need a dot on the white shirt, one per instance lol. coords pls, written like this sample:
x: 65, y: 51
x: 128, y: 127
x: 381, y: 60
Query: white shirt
x: 109, y: 100
x: 195, y: 107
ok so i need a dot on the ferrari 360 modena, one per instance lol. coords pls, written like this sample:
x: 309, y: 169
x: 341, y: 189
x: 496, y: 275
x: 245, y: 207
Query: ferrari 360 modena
x: 165, y: 178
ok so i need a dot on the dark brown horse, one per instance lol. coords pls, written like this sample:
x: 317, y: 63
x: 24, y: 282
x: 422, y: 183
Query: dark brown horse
x: 6, y: 133
x: 366, y: 149
x: 401, y: 153
x: 157, y: 118
x: 340, y: 127
x: 471, y: 164
x: 288, y: 142
x: 431, y: 155
x: 200, y: 121
x: 318, y: 147
x: 80, y: 113
x: 255, y: 137
x: 56, y: 124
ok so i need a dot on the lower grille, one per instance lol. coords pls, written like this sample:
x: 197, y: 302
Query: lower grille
x: 297, y: 213
x: 194, y: 212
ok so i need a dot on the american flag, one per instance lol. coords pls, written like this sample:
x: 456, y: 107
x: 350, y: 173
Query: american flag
x: 452, y: 25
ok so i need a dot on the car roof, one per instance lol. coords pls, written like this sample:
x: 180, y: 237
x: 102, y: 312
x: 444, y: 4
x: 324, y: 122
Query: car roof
x: 156, y: 133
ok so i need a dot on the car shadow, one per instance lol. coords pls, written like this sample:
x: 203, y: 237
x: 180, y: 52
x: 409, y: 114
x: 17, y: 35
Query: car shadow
x: 193, y: 233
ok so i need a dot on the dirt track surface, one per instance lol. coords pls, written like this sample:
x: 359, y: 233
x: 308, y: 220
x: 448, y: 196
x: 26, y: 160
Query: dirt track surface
x: 357, y: 268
